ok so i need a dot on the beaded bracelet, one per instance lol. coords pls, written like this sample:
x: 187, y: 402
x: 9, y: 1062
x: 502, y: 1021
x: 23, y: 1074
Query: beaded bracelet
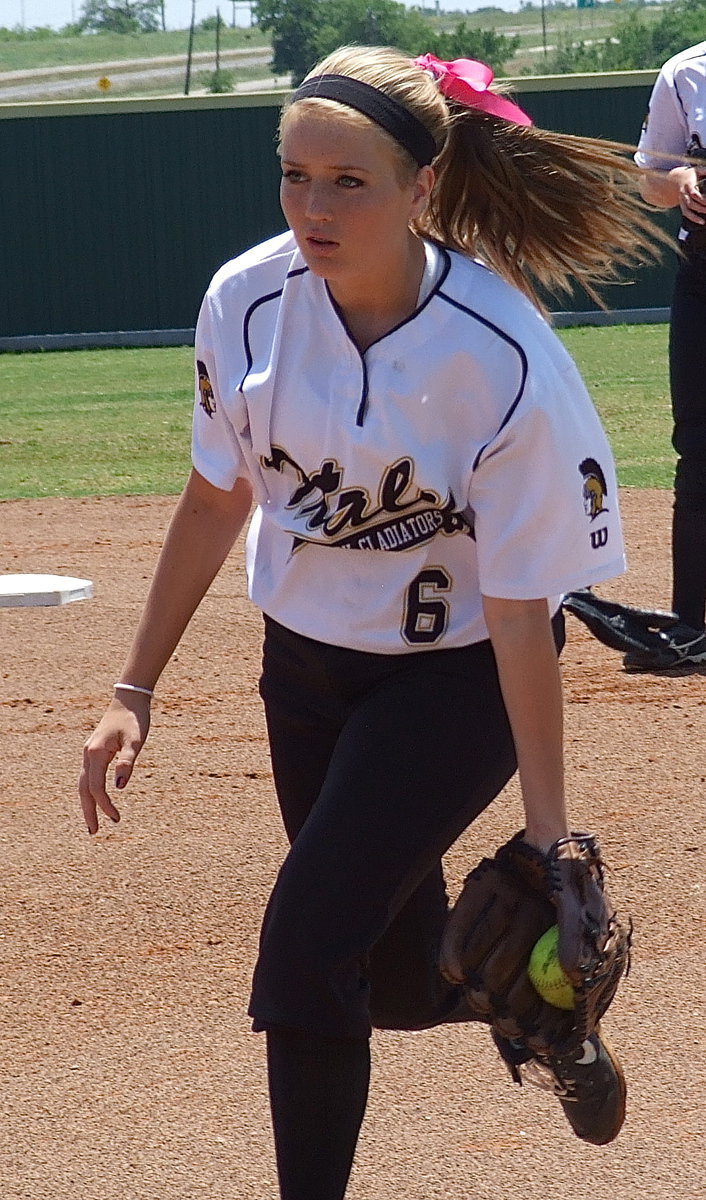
x: 132, y: 687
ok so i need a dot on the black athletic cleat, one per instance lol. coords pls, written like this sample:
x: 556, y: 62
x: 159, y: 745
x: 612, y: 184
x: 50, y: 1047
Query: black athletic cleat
x: 588, y: 1082
x: 682, y: 645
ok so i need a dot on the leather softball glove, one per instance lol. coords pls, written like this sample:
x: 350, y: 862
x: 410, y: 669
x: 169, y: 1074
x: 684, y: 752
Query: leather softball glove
x: 506, y: 904
x: 622, y: 626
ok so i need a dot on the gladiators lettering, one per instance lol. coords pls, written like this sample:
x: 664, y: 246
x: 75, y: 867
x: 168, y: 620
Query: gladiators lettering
x: 347, y: 518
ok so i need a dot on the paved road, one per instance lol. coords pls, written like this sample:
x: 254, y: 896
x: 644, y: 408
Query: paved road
x: 53, y: 83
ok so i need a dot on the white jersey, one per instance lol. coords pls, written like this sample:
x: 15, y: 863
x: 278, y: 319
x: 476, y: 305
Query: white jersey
x: 675, y: 124
x: 460, y: 455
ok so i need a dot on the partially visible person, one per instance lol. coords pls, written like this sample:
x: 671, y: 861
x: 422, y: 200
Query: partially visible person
x: 673, y: 141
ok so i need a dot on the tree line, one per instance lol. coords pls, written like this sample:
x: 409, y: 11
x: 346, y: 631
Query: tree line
x: 303, y: 31
x: 635, y: 43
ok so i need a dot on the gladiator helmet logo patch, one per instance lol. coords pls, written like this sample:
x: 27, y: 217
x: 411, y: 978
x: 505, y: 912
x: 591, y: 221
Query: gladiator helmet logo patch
x: 207, y: 399
x: 595, y: 488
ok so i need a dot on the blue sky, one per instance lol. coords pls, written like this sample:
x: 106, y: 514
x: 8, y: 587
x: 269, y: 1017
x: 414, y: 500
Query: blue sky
x: 178, y: 12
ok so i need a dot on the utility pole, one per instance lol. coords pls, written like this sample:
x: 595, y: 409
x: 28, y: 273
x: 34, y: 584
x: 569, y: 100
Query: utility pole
x: 187, y: 81
x: 544, y: 32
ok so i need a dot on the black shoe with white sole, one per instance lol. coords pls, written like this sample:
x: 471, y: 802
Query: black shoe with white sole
x: 682, y: 646
x: 588, y: 1082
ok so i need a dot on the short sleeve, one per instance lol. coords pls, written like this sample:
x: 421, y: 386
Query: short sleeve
x: 665, y: 129
x: 544, y: 497
x: 215, y: 451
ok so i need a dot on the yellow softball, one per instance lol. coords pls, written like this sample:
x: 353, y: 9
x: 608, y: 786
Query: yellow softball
x: 546, y: 973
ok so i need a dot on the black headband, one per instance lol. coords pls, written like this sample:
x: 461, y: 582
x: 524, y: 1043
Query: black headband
x: 391, y: 116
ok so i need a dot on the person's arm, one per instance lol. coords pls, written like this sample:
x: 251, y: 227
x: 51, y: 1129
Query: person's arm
x: 202, y: 531
x: 528, y: 667
x: 667, y: 180
x: 680, y: 186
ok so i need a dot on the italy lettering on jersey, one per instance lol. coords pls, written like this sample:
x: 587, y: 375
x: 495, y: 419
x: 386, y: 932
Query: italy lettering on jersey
x: 460, y: 455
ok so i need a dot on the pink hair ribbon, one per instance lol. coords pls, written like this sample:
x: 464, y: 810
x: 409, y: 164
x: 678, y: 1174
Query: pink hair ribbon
x: 468, y: 82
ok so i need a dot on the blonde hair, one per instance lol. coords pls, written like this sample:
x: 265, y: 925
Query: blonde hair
x: 393, y: 73
x: 545, y: 210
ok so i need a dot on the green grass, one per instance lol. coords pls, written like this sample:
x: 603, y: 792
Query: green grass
x: 113, y: 47
x: 95, y: 422
x: 625, y: 367
x: 116, y: 422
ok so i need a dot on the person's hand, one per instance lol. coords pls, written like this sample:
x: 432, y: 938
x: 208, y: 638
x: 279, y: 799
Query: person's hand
x: 120, y: 735
x: 691, y: 200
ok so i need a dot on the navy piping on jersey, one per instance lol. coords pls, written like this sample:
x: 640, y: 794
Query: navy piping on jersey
x: 676, y: 89
x: 363, y: 405
x: 363, y: 402
x: 435, y: 291
x: 681, y: 102
x: 249, y: 313
x: 511, y: 342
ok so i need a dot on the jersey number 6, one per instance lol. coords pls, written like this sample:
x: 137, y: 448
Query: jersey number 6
x: 426, y: 613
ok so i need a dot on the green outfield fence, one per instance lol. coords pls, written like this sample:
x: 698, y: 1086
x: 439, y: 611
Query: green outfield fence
x: 115, y: 213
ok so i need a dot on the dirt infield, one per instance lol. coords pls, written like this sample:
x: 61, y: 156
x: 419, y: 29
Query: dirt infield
x: 128, y: 1068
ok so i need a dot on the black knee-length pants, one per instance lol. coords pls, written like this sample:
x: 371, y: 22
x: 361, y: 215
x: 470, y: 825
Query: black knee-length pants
x: 380, y: 762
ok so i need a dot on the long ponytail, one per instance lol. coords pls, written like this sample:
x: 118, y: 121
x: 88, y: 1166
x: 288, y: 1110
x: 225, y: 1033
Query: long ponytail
x: 545, y: 210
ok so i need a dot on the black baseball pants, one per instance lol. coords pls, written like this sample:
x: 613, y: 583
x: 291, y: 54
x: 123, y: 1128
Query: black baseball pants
x: 687, y: 367
x: 380, y: 762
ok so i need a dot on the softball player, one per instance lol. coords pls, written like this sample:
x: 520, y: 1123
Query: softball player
x: 429, y: 476
x: 674, y: 131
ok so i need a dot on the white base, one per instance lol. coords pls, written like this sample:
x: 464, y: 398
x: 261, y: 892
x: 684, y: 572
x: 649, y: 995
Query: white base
x: 34, y: 591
